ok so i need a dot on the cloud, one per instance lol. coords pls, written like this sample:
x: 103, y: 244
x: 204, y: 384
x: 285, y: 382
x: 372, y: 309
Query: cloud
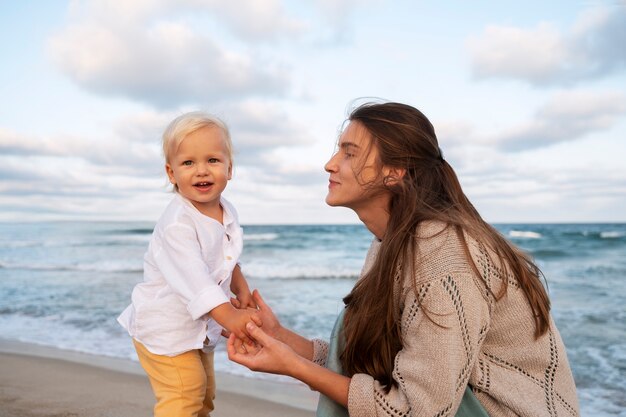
x: 108, y: 154
x: 568, y: 116
x: 143, y: 127
x: 529, y: 188
x: 593, y: 48
x: 69, y: 170
x: 258, y: 127
x: 253, y: 20
x: 139, y: 53
x: 338, y: 11
x: 134, y: 143
x: 169, y: 53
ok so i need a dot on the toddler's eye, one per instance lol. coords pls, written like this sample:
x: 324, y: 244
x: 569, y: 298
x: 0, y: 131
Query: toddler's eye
x: 213, y: 160
x: 187, y: 163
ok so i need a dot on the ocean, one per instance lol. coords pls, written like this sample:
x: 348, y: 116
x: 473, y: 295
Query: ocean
x: 63, y: 284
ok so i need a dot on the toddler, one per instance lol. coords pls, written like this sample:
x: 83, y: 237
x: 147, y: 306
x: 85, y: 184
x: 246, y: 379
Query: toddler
x: 191, y: 267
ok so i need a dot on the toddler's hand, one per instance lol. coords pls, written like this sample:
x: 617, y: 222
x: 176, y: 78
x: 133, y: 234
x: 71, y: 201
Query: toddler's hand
x: 245, y: 347
x: 245, y: 300
x: 234, y: 320
x: 237, y: 321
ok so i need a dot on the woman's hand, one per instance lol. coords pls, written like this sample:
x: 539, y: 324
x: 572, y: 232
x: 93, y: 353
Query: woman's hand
x: 271, y: 325
x: 266, y: 355
x: 270, y: 355
x: 264, y: 316
x: 239, y: 287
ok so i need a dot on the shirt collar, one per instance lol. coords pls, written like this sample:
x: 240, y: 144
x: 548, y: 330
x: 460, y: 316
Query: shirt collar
x: 227, y: 218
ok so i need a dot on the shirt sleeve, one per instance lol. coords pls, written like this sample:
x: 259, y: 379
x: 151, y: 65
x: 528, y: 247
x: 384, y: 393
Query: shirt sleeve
x: 179, y: 258
x: 443, y: 327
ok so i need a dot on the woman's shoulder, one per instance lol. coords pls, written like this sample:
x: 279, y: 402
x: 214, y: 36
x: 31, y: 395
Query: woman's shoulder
x: 441, y: 239
x: 439, y: 250
x: 437, y: 239
x: 432, y: 228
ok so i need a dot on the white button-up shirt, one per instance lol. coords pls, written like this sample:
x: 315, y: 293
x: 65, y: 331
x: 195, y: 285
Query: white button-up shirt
x: 187, y: 272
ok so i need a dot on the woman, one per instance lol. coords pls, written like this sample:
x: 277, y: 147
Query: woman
x: 444, y: 301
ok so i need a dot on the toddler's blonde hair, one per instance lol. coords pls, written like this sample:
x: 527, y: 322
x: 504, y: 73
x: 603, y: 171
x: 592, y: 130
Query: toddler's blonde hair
x: 187, y: 123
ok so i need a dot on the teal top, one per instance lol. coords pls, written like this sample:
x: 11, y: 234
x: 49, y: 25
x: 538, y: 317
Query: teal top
x: 470, y: 406
x: 325, y: 406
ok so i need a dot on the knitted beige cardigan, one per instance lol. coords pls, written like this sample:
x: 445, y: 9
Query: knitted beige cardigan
x: 475, y: 340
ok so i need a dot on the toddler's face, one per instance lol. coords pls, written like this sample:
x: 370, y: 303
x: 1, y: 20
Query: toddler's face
x: 201, y: 168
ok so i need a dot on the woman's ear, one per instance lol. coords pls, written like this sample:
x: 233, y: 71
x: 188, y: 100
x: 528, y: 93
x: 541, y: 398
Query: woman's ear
x: 392, y: 176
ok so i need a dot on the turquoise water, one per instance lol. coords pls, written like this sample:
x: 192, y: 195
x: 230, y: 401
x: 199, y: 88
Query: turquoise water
x: 63, y: 284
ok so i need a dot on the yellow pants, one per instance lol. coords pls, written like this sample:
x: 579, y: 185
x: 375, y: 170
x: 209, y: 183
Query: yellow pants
x: 184, y: 385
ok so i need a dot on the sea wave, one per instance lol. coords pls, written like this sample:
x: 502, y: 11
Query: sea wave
x: 523, y: 234
x: 13, y: 244
x: 260, y: 236
x: 137, y: 231
x: 301, y: 276
x: 612, y: 235
x: 120, y: 240
x: 548, y: 253
x: 88, y: 267
x: 257, y: 272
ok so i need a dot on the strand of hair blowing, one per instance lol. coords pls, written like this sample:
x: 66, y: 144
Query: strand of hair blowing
x: 429, y: 190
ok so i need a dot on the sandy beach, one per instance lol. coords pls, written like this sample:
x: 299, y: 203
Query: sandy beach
x: 37, y: 381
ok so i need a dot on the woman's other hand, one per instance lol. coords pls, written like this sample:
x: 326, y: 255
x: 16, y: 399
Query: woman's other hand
x: 271, y: 325
x: 266, y: 355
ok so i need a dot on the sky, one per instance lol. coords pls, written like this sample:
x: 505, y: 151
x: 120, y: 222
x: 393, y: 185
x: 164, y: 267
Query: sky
x: 528, y: 100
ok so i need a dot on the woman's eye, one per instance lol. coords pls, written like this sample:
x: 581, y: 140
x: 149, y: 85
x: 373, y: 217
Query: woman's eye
x: 187, y: 163
x: 348, y: 151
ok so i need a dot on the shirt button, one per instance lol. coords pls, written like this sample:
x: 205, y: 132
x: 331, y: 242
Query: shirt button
x: 228, y: 258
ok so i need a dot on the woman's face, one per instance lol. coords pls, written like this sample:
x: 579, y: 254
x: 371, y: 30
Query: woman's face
x: 354, y: 170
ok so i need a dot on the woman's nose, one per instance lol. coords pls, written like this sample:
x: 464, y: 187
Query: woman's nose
x: 331, y: 166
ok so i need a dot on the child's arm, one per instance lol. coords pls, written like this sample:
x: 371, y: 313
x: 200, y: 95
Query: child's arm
x: 239, y: 287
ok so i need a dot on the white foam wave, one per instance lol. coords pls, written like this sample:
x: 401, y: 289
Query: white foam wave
x: 89, y: 267
x: 52, y: 332
x: 611, y: 235
x: 19, y: 244
x: 261, y: 236
x: 522, y: 234
x: 62, y: 243
x: 261, y: 271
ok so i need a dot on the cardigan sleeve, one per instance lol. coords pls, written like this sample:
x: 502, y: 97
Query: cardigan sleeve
x: 320, y: 352
x: 443, y: 325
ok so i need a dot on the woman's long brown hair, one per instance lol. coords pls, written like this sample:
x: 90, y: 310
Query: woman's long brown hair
x: 429, y: 190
